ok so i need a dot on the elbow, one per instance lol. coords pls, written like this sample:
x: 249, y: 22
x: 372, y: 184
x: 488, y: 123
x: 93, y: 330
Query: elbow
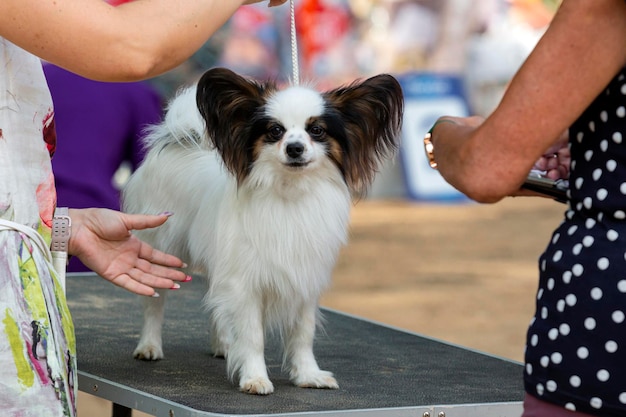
x: 486, y: 190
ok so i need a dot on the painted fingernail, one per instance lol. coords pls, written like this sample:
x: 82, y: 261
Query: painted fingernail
x: 188, y: 278
x: 166, y: 213
x: 175, y: 286
x: 184, y: 265
x: 155, y: 295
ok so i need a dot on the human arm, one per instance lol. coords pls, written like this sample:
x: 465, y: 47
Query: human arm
x: 133, y: 41
x: 576, y: 58
x: 102, y: 239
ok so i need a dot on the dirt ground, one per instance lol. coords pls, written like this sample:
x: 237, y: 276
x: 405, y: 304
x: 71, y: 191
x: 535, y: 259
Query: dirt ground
x: 464, y: 273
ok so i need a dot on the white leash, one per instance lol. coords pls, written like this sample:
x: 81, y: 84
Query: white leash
x: 294, y: 45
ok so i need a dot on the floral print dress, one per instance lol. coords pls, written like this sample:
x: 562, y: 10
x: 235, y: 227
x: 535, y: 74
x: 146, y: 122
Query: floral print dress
x: 37, y: 345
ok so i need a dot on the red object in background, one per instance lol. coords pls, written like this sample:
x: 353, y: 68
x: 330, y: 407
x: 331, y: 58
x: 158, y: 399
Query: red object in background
x: 319, y: 26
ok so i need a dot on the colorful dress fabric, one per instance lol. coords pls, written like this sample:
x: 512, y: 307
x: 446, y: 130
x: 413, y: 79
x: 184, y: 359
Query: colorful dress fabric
x: 576, y: 345
x: 37, y: 345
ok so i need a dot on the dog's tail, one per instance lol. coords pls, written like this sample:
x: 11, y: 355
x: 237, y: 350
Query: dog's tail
x: 182, y: 124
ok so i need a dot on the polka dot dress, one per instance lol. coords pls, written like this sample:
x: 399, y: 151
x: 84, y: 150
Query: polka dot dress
x: 576, y: 343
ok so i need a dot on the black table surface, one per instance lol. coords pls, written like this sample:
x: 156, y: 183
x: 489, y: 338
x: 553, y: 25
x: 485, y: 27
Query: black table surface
x: 377, y: 367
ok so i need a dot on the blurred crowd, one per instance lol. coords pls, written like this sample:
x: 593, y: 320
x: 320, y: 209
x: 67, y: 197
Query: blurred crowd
x: 482, y: 41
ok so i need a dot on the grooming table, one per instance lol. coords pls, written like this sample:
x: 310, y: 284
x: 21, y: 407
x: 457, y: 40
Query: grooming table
x: 381, y: 371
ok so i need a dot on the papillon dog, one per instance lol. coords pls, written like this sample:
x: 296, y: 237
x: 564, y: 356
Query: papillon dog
x: 261, y: 180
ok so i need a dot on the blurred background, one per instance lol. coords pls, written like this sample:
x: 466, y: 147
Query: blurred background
x: 421, y: 257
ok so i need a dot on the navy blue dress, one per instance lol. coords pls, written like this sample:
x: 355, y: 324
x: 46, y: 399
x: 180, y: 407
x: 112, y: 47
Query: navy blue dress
x: 576, y: 343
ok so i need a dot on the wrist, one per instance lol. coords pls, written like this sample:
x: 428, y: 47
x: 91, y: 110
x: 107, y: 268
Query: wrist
x: 429, y: 146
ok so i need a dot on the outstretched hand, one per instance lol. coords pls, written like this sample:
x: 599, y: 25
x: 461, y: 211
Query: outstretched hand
x: 102, y: 239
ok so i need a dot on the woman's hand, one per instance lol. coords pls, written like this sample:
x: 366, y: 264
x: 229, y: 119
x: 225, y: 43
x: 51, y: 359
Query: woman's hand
x: 556, y: 161
x: 272, y: 2
x: 102, y: 239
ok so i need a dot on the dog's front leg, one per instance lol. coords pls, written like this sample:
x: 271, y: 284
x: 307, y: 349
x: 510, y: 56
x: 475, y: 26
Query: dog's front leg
x: 150, y: 345
x: 304, y: 371
x: 245, y: 354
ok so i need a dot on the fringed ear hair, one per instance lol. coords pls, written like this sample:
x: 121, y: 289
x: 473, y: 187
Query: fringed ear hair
x: 229, y: 104
x: 372, y: 111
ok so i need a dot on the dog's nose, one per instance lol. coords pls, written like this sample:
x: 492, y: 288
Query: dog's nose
x: 295, y: 150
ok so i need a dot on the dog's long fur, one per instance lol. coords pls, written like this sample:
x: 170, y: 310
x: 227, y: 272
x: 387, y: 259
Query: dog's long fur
x: 261, y: 181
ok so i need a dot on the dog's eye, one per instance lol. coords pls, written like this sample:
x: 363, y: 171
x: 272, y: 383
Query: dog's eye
x: 275, y: 132
x: 316, y: 132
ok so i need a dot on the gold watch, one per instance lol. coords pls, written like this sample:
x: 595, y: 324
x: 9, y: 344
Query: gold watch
x: 429, y: 148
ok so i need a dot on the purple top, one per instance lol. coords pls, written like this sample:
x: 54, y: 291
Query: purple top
x: 99, y: 126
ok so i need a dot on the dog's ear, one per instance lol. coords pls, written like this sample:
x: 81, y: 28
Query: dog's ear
x: 372, y: 111
x: 229, y: 105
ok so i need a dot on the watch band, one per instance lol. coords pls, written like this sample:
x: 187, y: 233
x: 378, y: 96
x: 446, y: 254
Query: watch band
x: 61, y: 230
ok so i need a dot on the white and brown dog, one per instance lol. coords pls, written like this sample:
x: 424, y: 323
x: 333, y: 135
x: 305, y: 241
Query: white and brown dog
x: 261, y: 182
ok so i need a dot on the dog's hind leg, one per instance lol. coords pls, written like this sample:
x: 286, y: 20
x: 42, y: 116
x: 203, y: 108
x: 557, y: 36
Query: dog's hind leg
x: 150, y: 345
x: 304, y: 371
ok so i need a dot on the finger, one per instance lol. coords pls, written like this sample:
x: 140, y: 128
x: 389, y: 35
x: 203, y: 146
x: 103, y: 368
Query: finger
x: 157, y: 257
x: 159, y: 276
x: 126, y: 282
x: 144, y: 221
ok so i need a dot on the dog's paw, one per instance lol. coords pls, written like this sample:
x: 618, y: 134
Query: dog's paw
x: 258, y: 386
x: 148, y: 352
x: 318, y: 379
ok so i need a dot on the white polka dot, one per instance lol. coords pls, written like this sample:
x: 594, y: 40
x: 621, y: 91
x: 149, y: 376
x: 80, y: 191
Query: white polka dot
x: 621, y: 111
x: 575, y: 381
x: 588, y: 241
x: 617, y: 137
x: 603, y: 375
x: 603, y: 263
x: 611, y: 164
x: 596, y: 293
x: 564, y: 329
x: 570, y: 407
x: 577, y: 249
x: 621, y: 285
x: 534, y: 339
x: 544, y: 361
x: 557, y: 256
x: 578, y: 183
x: 612, y: 235
x: 567, y: 277
x: 539, y: 389
x: 573, y: 229
x: 590, y: 323
x: 611, y: 346
x: 596, y: 403
x: 550, y: 284
x: 553, y: 334
x: 604, y: 145
x: 597, y: 173
x: 556, y: 357
x: 529, y: 369
x: 551, y: 386
x: 589, y: 223
x: 578, y: 270
x: 543, y: 265
x: 623, y: 89
x: 587, y: 202
x: 601, y: 194
x: 556, y: 237
x: 588, y: 155
x: 560, y: 306
x: 580, y: 136
x: 544, y: 313
x: 622, y: 396
x: 571, y: 299
x: 604, y: 116
x: 539, y: 293
x: 618, y: 316
x: 592, y: 126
